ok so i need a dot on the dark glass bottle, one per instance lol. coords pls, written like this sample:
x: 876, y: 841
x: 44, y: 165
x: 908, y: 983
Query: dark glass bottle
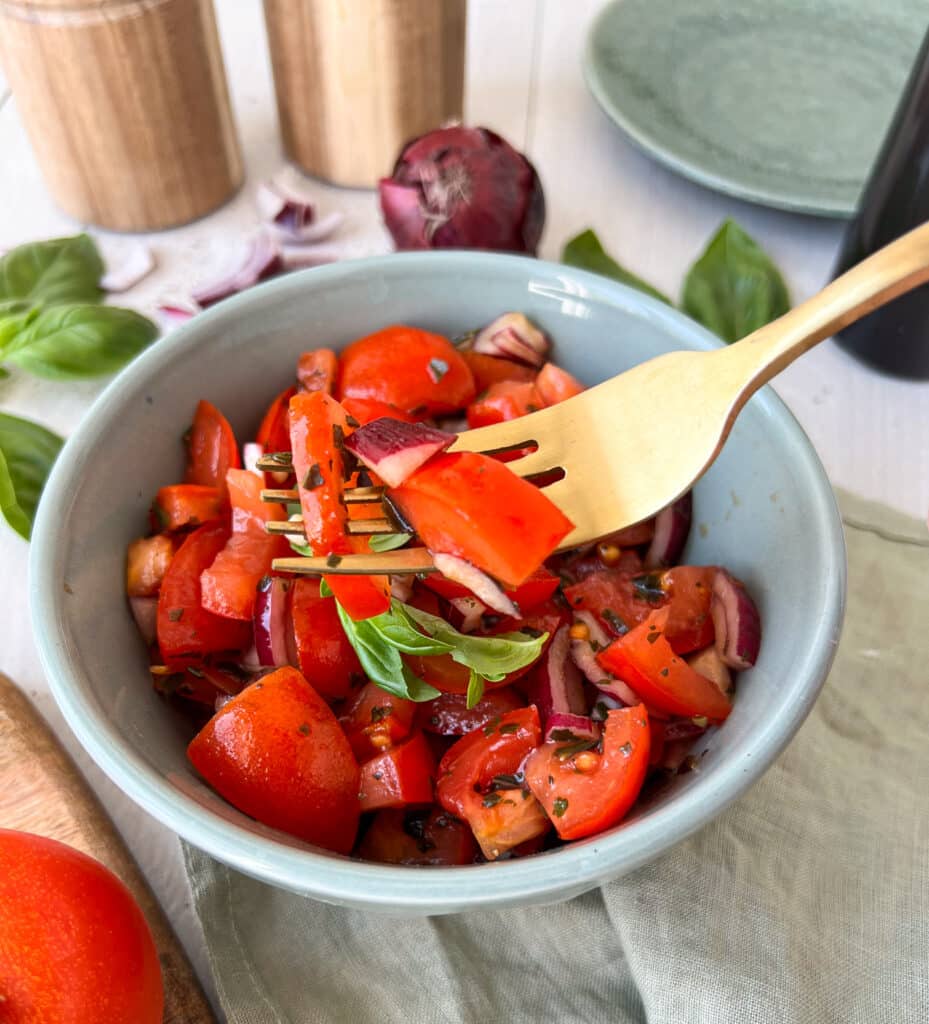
x: 895, y: 338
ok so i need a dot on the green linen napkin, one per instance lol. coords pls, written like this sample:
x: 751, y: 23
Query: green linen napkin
x: 806, y: 902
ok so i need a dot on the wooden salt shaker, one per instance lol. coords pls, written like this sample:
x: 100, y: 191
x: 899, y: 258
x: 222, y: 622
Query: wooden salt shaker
x: 356, y: 79
x: 125, y: 103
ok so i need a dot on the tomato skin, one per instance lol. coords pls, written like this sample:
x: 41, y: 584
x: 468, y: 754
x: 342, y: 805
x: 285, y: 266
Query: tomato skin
x: 229, y: 587
x: 472, y: 506
x: 505, y: 400
x: 317, y: 370
x: 488, y: 370
x: 400, y: 776
x: 449, y: 714
x: 376, y: 720
x: 366, y: 410
x: 274, y: 432
x: 554, y: 385
x: 645, y: 660
x: 398, y: 364
x: 611, y: 591
x: 147, y: 561
x: 599, y: 796
x: 690, y: 591
x: 276, y: 752
x: 398, y: 837
x: 183, y: 505
x: 325, y: 657
x: 211, y: 448
x: 249, y: 513
x: 538, y: 588
x: 515, y: 818
x: 186, y: 630
x: 74, y: 946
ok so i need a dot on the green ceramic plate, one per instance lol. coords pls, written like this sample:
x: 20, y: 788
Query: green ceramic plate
x: 783, y: 102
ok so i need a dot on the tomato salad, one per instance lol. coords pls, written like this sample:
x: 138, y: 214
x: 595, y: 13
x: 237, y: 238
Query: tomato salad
x: 518, y: 697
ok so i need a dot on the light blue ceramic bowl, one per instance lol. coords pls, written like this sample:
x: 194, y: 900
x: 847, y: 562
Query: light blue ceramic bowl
x: 765, y: 510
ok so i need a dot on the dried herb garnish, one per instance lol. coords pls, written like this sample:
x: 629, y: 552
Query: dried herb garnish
x: 653, y: 635
x: 626, y: 748
x: 380, y: 712
x: 510, y: 727
x: 351, y: 421
x: 175, y: 614
x: 617, y: 624
x: 313, y: 478
x: 559, y: 806
x: 437, y: 369
x: 333, y: 560
x: 648, y: 587
x: 577, y: 747
x: 491, y: 800
x: 513, y: 781
x: 491, y: 726
x: 304, y: 729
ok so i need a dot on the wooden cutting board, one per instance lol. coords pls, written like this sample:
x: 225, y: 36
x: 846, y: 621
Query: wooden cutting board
x: 42, y: 791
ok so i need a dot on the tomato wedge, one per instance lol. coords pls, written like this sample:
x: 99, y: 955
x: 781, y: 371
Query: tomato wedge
x: 554, y: 385
x: 317, y: 370
x: 449, y: 714
x: 645, y: 660
x: 538, y: 588
x: 186, y: 630
x: 690, y: 624
x: 183, y: 505
x: 211, y: 448
x: 421, y: 373
x: 612, y: 596
x: 322, y: 651
x: 472, y: 506
x: 147, y: 562
x: 418, y: 837
x: 377, y: 720
x: 488, y: 370
x: 591, y: 791
x: 505, y: 400
x: 276, y: 752
x: 274, y: 432
x: 402, y: 775
x: 506, y: 818
x: 249, y: 513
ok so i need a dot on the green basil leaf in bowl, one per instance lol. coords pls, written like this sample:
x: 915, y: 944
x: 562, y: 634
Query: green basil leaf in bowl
x: 735, y: 287
x: 27, y: 453
x: 74, y: 342
x: 59, y: 270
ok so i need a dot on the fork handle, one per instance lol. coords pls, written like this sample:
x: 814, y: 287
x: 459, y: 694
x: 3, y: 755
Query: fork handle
x: 897, y: 268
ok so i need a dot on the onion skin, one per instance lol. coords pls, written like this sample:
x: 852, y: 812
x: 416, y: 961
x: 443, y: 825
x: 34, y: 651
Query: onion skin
x: 582, y: 726
x: 556, y: 685
x: 463, y: 188
x: 736, y: 621
x: 271, y: 623
x: 672, y: 528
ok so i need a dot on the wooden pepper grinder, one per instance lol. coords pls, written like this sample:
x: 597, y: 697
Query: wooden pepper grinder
x: 125, y: 103
x: 356, y: 79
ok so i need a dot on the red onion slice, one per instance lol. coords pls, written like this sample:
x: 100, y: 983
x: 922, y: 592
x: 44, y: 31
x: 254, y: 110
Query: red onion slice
x: 145, y: 613
x: 555, y: 684
x: 173, y: 312
x: 292, y: 215
x: 672, y: 528
x: 619, y: 690
x: 736, y: 621
x: 581, y: 727
x: 401, y: 587
x: 394, y: 449
x: 710, y: 665
x: 261, y: 259
x: 603, y: 704
x: 251, y: 453
x: 126, y: 270
x: 471, y: 611
x: 513, y: 336
x: 479, y: 583
x: 683, y: 729
x: 271, y: 621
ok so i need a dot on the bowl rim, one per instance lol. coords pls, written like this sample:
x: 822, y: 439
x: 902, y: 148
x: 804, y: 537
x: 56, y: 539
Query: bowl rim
x: 333, y: 878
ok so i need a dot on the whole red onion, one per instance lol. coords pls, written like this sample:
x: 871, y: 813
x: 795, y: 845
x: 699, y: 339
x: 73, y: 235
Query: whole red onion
x: 463, y: 188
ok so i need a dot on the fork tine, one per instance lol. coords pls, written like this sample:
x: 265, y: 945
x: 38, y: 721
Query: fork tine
x: 353, y: 496
x: 401, y: 562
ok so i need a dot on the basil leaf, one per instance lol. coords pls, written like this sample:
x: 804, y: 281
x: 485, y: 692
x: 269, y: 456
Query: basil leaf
x: 388, y: 541
x: 734, y: 288
x: 475, y: 689
x: 27, y: 453
x: 56, y: 271
x: 399, y: 630
x: 72, y: 342
x: 586, y: 252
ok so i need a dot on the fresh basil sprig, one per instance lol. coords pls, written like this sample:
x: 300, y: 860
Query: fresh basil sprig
x: 57, y: 271
x: 733, y: 288
x: 381, y: 640
x: 27, y: 452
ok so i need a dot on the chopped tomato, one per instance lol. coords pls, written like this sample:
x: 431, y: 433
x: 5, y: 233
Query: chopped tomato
x: 538, y: 588
x: 249, y: 512
x: 612, y: 596
x: 498, y: 748
x: 505, y: 819
x: 645, y: 660
x: 376, y: 720
x: 690, y: 624
x: 230, y: 584
x: 317, y: 370
x: 323, y: 653
x: 472, y: 506
x: 274, y: 432
x: 488, y: 370
x: 421, y: 373
x: 554, y: 385
x: 276, y: 752
x: 211, y: 448
x: 147, y: 561
x: 402, y: 775
x: 183, y: 505
x: 366, y: 410
x: 505, y: 400
x: 362, y: 597
x: 187, y: 630
x: 589, y: 791
x: 418, y: 837
x: 450, y: 715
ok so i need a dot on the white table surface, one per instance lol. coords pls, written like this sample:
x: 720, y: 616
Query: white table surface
x: 524, y: 80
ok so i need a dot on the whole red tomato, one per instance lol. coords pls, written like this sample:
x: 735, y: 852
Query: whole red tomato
x: 74, y: 945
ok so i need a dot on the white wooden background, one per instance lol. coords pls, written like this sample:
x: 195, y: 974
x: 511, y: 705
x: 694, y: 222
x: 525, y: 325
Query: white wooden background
x: 524, y: 81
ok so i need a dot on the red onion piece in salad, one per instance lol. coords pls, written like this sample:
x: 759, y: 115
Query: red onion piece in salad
x: 463, y: 188
x: 582, y: 727
x: 271, y: 621
x: 145, y: 612
x: 555, y: 684
x: 471, y: 610
x: 173, y: 312
x: 251, y: 453
x: 584, y: 652
x: 394, y: 449
x: 672, y: 527
x: 616, y: 688
x: 401, y: 587
x: 513, y: 336
x: 479, y: 583
x: 736, y: 621
x: 126, y: 270
x: 683, y: 729
x: 710, y: 664
x: 603, y: 704
x: 261, y: 259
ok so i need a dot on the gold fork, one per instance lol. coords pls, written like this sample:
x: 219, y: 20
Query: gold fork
x: 633, y: 444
